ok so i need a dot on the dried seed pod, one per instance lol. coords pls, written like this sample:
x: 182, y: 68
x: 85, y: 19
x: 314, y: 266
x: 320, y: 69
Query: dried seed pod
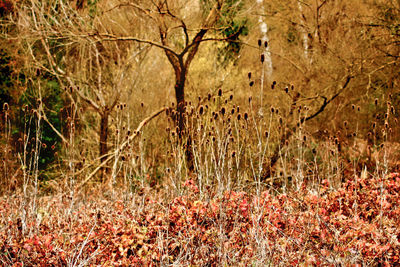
x: 201, y: 110
x: 223, y: 111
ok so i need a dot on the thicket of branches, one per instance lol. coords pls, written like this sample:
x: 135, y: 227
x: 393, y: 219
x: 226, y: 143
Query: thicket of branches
x: 81, y: 79
x: 199, y: 132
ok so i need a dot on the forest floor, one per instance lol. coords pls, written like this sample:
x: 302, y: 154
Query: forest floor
x: 355, y: 224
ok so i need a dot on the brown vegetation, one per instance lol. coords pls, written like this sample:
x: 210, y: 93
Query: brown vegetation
x: 170, y: 120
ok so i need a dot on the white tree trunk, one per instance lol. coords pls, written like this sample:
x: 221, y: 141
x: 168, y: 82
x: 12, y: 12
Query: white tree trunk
x: 264, y: 38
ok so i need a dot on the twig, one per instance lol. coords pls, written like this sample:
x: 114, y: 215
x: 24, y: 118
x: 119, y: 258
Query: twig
x: 123, y: 145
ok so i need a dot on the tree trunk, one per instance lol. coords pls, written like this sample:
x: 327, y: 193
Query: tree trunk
x: 103, y: 141
x: 180, y: 78
x: 183, y: 130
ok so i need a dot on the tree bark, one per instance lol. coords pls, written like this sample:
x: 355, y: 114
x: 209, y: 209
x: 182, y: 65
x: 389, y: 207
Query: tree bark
x: 103, y: 140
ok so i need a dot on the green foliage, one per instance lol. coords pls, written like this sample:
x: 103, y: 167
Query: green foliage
x: 92, y: 5
x: 5, y: 78
x: 52, y: 103
x: 231, y: 26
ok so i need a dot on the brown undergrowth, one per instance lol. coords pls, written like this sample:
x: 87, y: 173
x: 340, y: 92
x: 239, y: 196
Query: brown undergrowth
x: 354, y: 224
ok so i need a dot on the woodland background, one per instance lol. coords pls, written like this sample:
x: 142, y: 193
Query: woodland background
x: 199, y: 132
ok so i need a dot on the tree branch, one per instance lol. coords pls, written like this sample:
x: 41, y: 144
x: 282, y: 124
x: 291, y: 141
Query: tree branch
x: 118, y: 150
x: 111, y: 37
x: 326, y: 101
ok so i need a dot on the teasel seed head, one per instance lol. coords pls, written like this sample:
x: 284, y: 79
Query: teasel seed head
x: 201, y: 110
x: 223, y: 111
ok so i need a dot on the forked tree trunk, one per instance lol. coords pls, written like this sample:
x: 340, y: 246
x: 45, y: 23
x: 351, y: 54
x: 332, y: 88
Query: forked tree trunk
x: 180, y: 78
x: 183, y: 130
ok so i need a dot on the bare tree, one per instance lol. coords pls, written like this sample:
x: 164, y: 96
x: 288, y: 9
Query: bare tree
x: 63, y: 42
